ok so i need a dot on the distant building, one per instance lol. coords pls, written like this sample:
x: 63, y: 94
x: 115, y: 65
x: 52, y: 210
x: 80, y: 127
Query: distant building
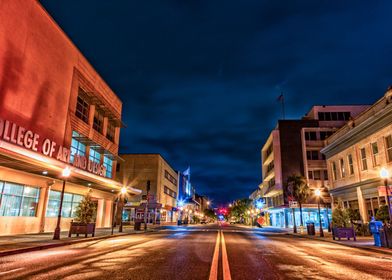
x: 355, y: 155
x: 138, y: 169
x: 56, y: 112
x: 293, y: 147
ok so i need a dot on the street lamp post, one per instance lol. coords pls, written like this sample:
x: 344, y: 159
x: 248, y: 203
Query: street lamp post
x: 318, y: 194
x: 65, y: 174
x: 123, y: 192
x: 384, y: 174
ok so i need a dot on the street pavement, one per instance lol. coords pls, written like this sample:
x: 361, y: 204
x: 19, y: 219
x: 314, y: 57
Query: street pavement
x: 200, y: 252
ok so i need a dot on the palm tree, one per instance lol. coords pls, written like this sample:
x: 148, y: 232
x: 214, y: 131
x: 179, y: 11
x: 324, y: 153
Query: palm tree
x: 299, y: 189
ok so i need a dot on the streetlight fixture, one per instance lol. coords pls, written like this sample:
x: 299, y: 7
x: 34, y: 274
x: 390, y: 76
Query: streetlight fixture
x: 384, y: 174
x: 317, y: 192
x: 65, y: 174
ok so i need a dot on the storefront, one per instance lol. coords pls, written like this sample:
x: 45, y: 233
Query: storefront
x: 284, y: 217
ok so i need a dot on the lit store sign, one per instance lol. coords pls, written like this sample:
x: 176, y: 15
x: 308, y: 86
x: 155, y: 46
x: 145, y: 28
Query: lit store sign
x: 20, y: 136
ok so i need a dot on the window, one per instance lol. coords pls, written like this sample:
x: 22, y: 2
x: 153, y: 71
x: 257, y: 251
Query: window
x: 77, y: 148
x: 388, y: 146
x: 269, y: 151
x: 342, y: 168
x: 316, y: 175
x: 270, y: 166
x: 312, y: 155
x: 95, y: 156
x: 170, y: 192
x: 325, y: 174
x: 108, y: 163
x: 271, y: 183
x: 18, y: 200
x: 334, y: 172
x: 70, y: 203
x: 334, y: 116
x: 363, y: 159
x: 325, y: 134
x: 310, y: 135
x: 110, y: 131
x: 98, y: 121
x: 170, y: 178
x: 82, y: 107
x: 310, y: 174
x: 350, y: 164
x: 375, y: 154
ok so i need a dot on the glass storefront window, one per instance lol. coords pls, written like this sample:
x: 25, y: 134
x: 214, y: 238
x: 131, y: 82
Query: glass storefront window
x: 18, y: 200
x: 70, y: 202
x: 77, y: 148
x: 108, y: 163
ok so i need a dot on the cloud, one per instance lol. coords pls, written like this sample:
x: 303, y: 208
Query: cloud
x: 199, y: 79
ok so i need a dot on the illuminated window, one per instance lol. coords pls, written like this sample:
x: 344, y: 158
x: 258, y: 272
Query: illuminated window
x: 108, y: 163
x: 110, y: 131
x: 82, y: 107
x: 18, y: 200
x: 98, y: 120
x: 77, y: 148
x: 325, y: 174
x: 95, y: 156
x: 70, y: 203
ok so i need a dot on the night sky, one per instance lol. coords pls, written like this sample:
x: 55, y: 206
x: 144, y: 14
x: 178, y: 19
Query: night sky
x: 200, y: 79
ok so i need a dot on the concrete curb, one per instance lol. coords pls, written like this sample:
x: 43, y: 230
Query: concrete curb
x: 376, y: 250
x: 65, y: 243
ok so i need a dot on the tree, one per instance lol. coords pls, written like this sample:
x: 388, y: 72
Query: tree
x: 353, y: 215
x: 340, y: 217
x: 299, y: 189
x: 240, y: 208
x: 85, y: 211
x: 209, y: 213
x: 382, y: 213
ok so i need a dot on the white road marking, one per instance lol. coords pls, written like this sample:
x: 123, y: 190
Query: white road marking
x: 225, y: 261
x: 215, y: 259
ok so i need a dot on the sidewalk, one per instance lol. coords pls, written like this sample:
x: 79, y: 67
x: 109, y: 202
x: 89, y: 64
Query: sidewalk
x: 21, y: 243
x: 362, y: 242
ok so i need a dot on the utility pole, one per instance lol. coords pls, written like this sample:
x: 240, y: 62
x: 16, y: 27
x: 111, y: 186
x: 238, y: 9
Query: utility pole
x: 146, y: 208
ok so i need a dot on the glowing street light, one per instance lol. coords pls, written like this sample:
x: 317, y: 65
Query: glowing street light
x: 123, y: 190
x: 65, y: 174
x: 384, y: 174
x: 317, y: 192
x: 230, y: 205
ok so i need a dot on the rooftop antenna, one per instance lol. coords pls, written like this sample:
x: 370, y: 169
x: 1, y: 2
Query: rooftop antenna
x: 281, y: 100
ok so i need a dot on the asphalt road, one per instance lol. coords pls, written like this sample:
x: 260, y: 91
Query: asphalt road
x: 201, y: 252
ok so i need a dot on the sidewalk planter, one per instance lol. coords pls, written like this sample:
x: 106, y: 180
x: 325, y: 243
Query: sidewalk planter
x: 343, y: 232
x: 82, y: 228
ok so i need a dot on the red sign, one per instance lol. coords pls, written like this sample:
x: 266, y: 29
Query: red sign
x: 382, y: 191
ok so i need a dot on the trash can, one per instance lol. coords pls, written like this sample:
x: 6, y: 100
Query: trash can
x: 137, y: 225
x: 179, y: 222
x: 375, y: 228
x: 386, y: 236
x: 310, y: 228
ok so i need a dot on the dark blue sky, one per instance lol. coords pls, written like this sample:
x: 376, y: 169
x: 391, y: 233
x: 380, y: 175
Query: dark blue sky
x: 199, y: 79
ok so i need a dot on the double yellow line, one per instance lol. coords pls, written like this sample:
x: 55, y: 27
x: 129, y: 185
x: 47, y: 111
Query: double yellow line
x: 220, y: 239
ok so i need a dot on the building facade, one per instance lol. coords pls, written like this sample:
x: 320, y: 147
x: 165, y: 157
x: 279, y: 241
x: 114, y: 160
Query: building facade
x: 355, y: 155
x: 139, y: 169
x: 56, y: 112
x: 293, y: 147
